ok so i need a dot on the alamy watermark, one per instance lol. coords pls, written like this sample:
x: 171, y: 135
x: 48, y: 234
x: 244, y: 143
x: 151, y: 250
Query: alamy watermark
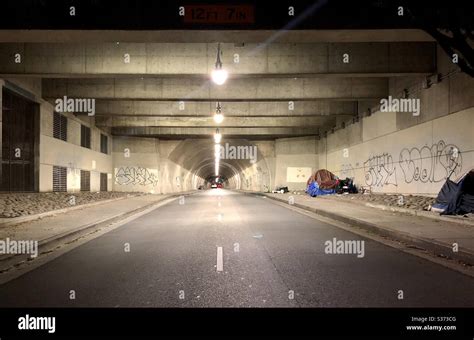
x: 391, y: 104
x: 17, y: 247
x: 75, y: 105
x: 344, y: 247
x: 228, y: 151
x: 28, y: 322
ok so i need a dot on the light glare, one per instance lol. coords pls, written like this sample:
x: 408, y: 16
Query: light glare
x: 219, y: 76
x: 218, y: 118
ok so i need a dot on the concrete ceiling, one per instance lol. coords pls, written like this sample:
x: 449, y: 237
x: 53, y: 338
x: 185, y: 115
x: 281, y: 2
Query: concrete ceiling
x: 284, y: 83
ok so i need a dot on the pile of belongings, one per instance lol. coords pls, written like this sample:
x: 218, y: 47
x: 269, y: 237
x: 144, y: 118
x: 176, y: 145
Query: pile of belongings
x: 280, y: 190
x: 456, y: 197
x: 323, y: 182
x: 346, y: 186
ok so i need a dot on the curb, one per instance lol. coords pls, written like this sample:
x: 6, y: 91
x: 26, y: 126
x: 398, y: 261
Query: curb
x: 9, y: 222
x: 75, y: 233
x: 420, y: 213
x: 440, y: 249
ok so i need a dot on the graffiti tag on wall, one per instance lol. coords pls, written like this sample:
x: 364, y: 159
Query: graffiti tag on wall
x: 135, y: 175
x: 430, y: 164
x: 347, y: 170
x: 379, y: 170
x: 426, y: 164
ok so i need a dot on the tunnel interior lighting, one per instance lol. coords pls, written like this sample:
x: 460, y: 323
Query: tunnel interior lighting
x: 218, y: 116
x: 219, y: 75
x: 217, y: 137
x: 217, y: 150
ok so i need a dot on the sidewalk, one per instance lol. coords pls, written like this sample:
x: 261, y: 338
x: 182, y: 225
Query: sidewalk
x: 435, y: 235
x: 78, y: 220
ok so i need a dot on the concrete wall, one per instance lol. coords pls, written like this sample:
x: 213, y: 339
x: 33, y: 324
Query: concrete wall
x: 283, y: 162
x: 174, y: 177
x: 392, y: 152
x: 71, y: 154
x: 398, y: 152
x: 143, y: 164
x: 259, y: 176
x: 413, y: 160
x: 68, y: 153
x: 136, y: 164
x: 296, y: 159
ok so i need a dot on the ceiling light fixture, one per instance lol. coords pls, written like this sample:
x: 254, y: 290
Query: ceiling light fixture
x: 219, y: 75
x: 218, y: 116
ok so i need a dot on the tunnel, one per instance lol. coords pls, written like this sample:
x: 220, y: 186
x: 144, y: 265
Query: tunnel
x: 305, y: 168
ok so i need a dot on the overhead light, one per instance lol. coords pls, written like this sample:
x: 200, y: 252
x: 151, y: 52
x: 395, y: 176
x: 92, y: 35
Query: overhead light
x: 219, y: 75
x: 217, y: 137
x: 218, y: 116
x: 216, y: 167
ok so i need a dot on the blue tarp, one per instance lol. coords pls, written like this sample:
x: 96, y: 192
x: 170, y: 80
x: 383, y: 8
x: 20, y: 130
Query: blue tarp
x: 314, y: 190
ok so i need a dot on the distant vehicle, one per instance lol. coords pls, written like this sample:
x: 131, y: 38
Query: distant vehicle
x: 213, y: 186
x: 219, y: 185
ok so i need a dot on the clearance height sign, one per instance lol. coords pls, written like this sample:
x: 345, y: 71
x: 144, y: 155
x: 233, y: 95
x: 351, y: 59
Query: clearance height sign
x: 218, y: 14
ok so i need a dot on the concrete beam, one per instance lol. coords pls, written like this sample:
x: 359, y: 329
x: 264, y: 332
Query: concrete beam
x: 268, y: 89
x: 235, y: 122
x: 115, y: 108
x: 207, y: 132
x: 171, y: 59
x: 212, y: 36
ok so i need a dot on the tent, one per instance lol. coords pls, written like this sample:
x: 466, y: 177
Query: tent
x: 456, y: 197
x: 323, y: 182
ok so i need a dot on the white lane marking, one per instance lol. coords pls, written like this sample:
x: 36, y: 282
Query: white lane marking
x: 220, y: 261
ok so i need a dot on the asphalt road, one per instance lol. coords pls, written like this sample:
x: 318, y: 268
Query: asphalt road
x: 271, y: 257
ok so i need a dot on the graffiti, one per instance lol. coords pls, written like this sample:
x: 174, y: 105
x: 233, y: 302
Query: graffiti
x: 347, y: 170
x: 379, y: 170
x: 430, y: 163
x: 136, y: 176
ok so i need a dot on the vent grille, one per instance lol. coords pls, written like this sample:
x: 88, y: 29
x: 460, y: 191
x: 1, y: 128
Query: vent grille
x: 85, y: 137
x: 59, y: 179
x: 103, y: 181
x: 85, y: 180
x: 103, y: 143
x: 60, y: 126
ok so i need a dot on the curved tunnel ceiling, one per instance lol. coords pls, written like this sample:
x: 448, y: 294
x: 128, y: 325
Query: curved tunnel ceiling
x: 197, y: 156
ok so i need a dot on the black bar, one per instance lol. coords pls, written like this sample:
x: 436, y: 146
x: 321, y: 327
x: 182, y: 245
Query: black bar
x: 163, y: 15
x: 263, y: 322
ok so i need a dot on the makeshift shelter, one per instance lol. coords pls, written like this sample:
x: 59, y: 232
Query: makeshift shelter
x: 323, y: 182
x: 456, y: 197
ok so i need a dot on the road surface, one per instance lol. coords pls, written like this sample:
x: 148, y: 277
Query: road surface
x: 271, y: 257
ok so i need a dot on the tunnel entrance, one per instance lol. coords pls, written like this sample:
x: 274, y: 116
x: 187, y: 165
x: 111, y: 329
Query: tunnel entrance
x: 20, y: 124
